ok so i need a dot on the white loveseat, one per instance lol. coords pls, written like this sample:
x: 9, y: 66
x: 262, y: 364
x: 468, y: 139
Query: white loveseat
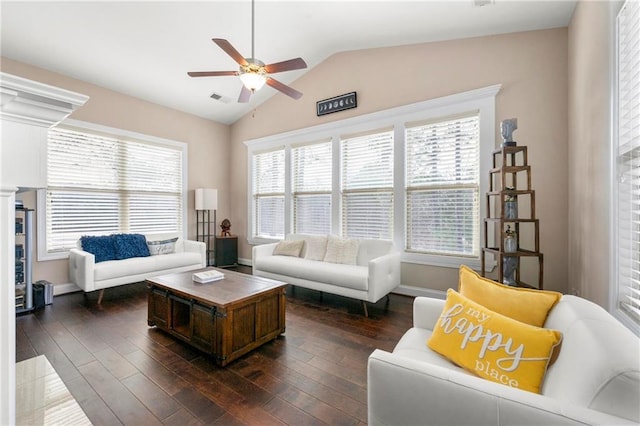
x: 90, y: 276
x: 375, y: 274
x: 595, y: 379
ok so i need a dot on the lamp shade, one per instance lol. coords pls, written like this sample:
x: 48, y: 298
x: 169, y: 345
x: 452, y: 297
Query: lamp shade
x: 206, y: 199
x: 253, y: 80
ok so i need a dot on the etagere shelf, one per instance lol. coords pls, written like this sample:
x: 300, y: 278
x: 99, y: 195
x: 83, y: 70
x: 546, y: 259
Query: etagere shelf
x: 510, y: 213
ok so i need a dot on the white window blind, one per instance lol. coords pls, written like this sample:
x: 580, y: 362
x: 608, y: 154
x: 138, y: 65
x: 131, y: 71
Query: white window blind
x: 367, y: 186
x: 99, y: 185
x: 627, y: 151
x: 268, y: 194
x: 442, y: 186
x: 311, y: 177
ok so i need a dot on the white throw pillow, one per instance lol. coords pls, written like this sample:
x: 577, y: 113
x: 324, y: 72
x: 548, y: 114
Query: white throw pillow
x: 288, y: 248
x: 341, y: 250
x: 162, y: 247
x: 316, y: 247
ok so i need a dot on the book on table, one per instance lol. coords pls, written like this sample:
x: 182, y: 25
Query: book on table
x: 207, y: 276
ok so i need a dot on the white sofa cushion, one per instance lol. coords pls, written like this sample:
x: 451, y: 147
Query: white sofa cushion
x: 341, y: 250
x: 288, y: 248
x: 350, y: 276
x: 315, y: 247
x: 142, y: 265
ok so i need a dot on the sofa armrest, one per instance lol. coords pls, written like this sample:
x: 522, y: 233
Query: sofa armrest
x: 426, y: 311
x: 198, y: 247
x: 403, y: 391
x: 261, y: 251
x: 384, y: 275
x: 81, y: 266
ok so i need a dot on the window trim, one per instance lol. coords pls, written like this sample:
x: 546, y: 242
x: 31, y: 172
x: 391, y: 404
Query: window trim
x: 614, y: 308
x: 482, y: 99
x: 295, y: 193
x: 256, y: 196
x: 41, y: 212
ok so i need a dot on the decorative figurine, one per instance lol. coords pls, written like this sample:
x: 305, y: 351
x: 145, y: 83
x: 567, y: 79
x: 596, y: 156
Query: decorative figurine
x: 507, y: 127
x: 226, y: 226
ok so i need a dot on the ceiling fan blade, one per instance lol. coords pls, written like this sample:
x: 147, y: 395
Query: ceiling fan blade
x: 290, y: 65
x: 245, y: 94
x: 289, y: 91
x: 211, y: 73
x: 230, y: 50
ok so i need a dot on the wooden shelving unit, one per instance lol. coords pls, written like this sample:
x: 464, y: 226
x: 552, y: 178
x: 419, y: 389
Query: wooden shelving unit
x: 510, y: 181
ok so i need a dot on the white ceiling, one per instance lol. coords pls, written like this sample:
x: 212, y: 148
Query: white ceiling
x: 144, y: 49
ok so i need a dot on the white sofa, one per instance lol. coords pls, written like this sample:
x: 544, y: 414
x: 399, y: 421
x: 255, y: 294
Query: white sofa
x: 595, y: 379
x: 375, y: 274
x: 91, y: 276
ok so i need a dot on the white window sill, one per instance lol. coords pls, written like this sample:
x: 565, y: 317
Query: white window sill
x: 446, y: 261
x: 256, y: 241
x: 44, y: 257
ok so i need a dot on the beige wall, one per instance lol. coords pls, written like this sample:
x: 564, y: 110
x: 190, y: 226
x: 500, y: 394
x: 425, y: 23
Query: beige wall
x: 590, y: 53
x: 208, y: 142
x: 532, y: 68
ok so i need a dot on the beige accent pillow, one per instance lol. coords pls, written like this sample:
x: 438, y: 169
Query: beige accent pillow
x: 341, y: 250
x: 316, y: 247
x: 288, y: 248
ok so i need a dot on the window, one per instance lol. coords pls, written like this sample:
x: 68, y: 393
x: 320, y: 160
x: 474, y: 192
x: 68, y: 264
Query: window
x: 311, y: 176
x: 268, y: 193
x: 101, y: 184
x: 411, y: 174
x: 626, y: 149
x: 443, y: 186
x: 367, y: 186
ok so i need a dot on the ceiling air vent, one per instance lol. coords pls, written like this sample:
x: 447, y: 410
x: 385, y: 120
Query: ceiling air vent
x: 220, y: 98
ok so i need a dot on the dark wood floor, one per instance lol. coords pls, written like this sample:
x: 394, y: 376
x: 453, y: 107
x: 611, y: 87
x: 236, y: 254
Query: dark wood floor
x: 123, y: 372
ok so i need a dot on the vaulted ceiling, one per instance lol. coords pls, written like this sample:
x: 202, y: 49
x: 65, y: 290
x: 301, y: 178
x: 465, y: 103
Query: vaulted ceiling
x: 144, y: 49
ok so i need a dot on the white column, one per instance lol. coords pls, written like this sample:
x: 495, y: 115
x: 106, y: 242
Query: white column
x: 7, y: 307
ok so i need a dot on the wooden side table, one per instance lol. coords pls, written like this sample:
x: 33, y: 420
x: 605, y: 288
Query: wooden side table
x: 226, y: 251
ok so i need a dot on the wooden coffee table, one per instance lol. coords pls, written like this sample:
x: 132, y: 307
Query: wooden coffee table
x: 225, y: 318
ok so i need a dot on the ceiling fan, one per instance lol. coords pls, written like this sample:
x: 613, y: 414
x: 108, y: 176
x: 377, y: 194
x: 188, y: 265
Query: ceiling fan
x: 253, y: 72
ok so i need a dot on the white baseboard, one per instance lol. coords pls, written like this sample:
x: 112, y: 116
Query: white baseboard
x: 59, y: 289
x: 407, y: 290
x: 245, y: 262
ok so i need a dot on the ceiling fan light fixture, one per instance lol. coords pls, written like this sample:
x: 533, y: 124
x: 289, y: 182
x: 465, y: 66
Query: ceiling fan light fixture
x: 253, y: 75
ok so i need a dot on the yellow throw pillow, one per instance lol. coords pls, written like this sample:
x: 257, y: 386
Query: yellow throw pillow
x: 522, y: 304
x: 491, y: 345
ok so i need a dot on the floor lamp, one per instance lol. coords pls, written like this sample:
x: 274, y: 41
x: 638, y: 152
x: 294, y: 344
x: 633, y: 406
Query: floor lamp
x: 206, y: 200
